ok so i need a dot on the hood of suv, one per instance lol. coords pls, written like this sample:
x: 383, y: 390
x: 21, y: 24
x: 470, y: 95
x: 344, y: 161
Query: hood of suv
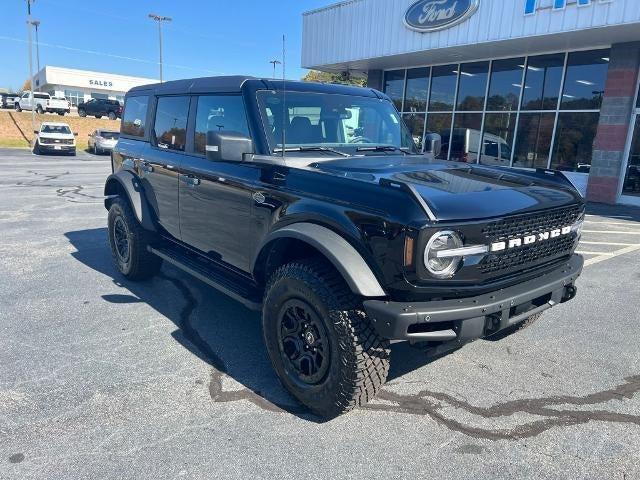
x: 458, y: 191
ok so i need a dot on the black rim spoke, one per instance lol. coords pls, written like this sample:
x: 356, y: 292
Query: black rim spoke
x: 121, y: 239
x: 302, y: 338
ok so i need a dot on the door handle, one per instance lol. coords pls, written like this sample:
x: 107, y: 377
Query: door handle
x: 190, y: 180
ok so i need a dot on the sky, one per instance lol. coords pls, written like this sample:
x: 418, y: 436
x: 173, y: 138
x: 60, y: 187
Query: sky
x: 205, y: 37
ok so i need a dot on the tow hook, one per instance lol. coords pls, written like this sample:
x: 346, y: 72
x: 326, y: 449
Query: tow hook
x: 569, y: 293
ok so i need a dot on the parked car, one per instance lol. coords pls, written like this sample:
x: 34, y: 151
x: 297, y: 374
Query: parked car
x: 316, y: 208
x: 99, y: 108
x: 55, y: 138
x: 43, y: 102
x: 101, y: 141
x: 8, y: 100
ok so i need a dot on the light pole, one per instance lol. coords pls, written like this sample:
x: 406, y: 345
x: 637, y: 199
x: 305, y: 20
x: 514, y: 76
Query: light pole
x: 36, y: 23
x: 275, y: 63
x: 160, y: 19
x: 33, y: 109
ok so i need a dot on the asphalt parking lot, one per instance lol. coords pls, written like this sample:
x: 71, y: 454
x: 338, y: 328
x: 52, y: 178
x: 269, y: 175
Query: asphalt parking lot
x: 105, y: 379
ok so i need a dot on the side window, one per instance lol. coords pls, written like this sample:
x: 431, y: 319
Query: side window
x: 221, y: 113
x: 135, y: 116
x: 170, y: 128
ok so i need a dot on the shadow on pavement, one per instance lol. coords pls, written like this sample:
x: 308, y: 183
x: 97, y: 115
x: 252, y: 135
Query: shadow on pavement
x: 615, y: 212
x: 230, y: 341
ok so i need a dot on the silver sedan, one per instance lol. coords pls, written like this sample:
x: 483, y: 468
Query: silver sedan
x: 102, y: 141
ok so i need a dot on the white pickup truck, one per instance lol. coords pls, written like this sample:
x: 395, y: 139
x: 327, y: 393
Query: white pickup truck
x: 43, y: 102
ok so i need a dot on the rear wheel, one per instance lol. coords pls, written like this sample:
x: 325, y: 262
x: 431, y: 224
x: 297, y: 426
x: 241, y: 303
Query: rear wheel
x: 39, y: 110
x: 82, y: 113
x: 320, y: 342
x: 129, y: 241
x: 61, y: 114
x: 112, y: 116
x: 17, y: 107
x: 98, y: 116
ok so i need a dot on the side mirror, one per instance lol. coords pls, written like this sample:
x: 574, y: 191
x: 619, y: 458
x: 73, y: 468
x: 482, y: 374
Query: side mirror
x: 228, y: 146
x: 432, y: 144
x: 36, y: 131
x: 75, y: 134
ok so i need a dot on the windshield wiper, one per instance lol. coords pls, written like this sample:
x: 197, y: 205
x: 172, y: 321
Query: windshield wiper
x: 384, y: 148
x: 311, y: 149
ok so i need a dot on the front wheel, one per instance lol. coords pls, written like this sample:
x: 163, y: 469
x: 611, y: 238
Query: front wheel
x: 320, y: 342
x: 18, y: 108
x: 129, y: 241
x: 82, y: 113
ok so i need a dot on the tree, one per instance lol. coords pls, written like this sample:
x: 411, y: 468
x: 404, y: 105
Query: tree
x: 26, y: 85
x: 343, y: 78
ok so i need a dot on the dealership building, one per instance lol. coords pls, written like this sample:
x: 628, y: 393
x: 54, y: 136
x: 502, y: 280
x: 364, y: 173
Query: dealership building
x: 521, y: 83
x: 82, y: 85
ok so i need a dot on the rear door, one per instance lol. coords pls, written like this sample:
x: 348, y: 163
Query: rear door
x: 162, y: 161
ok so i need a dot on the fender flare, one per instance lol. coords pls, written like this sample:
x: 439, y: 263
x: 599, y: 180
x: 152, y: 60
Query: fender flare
x: 133, y: 189
x: 346, y: 259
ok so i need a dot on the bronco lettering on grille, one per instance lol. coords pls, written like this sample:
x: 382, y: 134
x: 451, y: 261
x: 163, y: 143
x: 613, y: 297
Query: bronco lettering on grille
x: 529, y: 239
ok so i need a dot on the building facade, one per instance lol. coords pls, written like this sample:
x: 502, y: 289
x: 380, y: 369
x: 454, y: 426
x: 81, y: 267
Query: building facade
x: 82, y: 85
x: 521, y: 83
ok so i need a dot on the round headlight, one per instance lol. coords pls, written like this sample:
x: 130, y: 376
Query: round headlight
x: 442, y: 267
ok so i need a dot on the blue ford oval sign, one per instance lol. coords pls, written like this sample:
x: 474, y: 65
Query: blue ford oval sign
x: 432, y: 15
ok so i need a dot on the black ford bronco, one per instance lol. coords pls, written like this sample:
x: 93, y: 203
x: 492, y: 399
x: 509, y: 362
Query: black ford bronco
x: 313, y: 204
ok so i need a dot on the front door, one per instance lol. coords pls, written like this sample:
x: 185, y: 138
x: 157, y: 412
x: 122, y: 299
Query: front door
x: 216, y: 197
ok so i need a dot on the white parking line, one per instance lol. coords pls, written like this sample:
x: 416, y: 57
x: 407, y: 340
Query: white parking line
x: 625, y: 224
x: 607, y: 254
x: 608, y: 243
x: 612, y: 232
x: 610, y: 216
x: 602, y: 258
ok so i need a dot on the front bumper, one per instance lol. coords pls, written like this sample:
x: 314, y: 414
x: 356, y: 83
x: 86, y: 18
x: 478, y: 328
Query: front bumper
x: 57, y: 148
x: 467, y: 319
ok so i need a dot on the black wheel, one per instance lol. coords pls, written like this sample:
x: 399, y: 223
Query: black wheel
x: 529, y: 321
x: 95, y: 149
x: 39, y: 110
x: 82, y: 113
x: 61, y: 114
x: 36, y: 148
x: 18, y: 109
x: 320, y: 342
x: 129, y: 243
x: 98, y: 116
x: 72, y: 153
x: 112, y: 116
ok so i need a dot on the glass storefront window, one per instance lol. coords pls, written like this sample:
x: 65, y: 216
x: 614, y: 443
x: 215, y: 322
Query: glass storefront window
x: 440, y: 123
x: 497, y: 140
x: 473, y: 86
x: 533, y: 140
x: 394, y: 86
x: 416, y: 90
x: 631, y: 184
x: 573, y: 147
x: 585, y: 80
x: 543, y: 80
x: 415, y: 123
x: 443, y: 88
x: 466, y: 137
x: 506, y: 84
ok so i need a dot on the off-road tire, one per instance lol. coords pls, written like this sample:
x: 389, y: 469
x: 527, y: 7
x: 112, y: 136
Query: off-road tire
x: 529, y: 321
x: 141, y: 264
x: 359, y: 358
x: 82, y: 113
x: 112, y: 116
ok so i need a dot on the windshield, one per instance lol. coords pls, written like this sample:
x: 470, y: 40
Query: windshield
x: 55, y: 129
x: 110, y: 135
x: 347, y: 124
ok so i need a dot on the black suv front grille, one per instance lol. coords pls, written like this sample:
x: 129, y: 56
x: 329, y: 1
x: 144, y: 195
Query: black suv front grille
x: 524, y: 225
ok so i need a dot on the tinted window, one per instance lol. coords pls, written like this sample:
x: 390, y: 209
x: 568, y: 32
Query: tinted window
x: 506, y: 84
x: 585, y: 80
x: 135, y: 116
x: 170, y: 128
x: 542, y: 85
x: 443, y: 88
x: 573, y: 146
x: 55, y: 129
x: 394, y: 86
x: 473, y: 86
x: 499, y: 131
x: 631, y: 184
x: 533, y: 140
x: 415, y: 123
x: 440, y: 123
x: 417, y: 89
x: 466, y: 137
x: 219, y: 113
